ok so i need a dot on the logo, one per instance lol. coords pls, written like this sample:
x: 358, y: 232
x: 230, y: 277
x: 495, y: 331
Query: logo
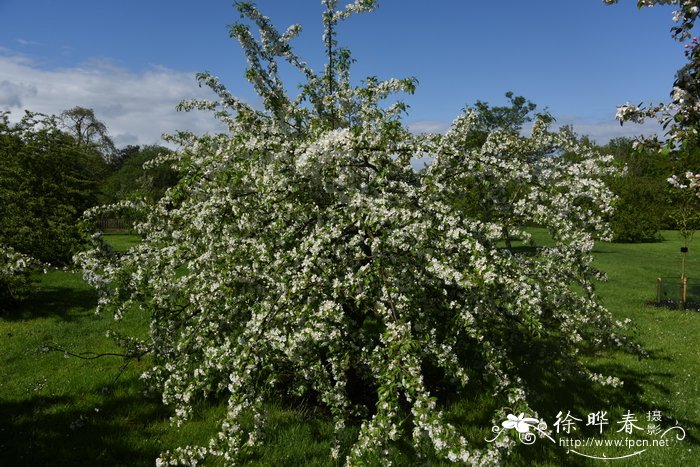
x: 632, y: 435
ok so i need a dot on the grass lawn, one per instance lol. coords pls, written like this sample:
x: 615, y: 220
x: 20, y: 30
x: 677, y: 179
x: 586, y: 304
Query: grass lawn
x: 61, y: 410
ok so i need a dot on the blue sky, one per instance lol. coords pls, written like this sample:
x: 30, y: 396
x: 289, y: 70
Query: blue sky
x: 133, y: 61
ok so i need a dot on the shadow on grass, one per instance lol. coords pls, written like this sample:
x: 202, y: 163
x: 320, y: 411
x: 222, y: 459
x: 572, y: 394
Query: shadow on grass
x: 294, y: 436
x: 552, y: 394
x: 472, y: 412
x: 66, y: 431
x: 674, y: 305
x: 67, y: 303
x: 631, y: 396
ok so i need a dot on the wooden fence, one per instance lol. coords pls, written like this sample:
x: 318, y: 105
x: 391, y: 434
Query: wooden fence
x: 114, y: 225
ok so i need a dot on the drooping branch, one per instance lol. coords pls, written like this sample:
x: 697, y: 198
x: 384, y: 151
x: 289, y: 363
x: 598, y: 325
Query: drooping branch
x: 89, y: 355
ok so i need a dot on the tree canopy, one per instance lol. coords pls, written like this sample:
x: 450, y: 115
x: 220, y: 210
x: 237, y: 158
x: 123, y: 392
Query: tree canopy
x: 47, y: 181
x: 88, y: 132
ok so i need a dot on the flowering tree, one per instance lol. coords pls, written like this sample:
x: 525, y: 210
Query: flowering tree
x: 482, y: 197
x: 301, y: 254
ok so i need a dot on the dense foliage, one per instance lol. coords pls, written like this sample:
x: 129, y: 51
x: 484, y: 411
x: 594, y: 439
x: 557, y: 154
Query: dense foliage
x: 480, y: 198
x: 46, y: 182
x: 643, y: 203
x: 302, y: 255
x: 133, y: 178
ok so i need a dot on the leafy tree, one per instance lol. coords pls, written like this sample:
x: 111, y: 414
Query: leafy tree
x: 14, y: 267
x: 122, y: 155
x: 132, y: 181
x: 301, y: 255
x: 46, y: 183
x: 642, y: 204
x: 89, y: 132
x: 509, y: 119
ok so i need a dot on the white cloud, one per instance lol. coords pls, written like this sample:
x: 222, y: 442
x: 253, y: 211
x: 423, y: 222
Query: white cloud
x: 428, y: 126
x: 603, y: 131
x: 26, y: 42
x: 137, y: 107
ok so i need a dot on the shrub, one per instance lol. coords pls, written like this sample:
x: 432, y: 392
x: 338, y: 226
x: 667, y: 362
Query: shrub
x: 302, y: 255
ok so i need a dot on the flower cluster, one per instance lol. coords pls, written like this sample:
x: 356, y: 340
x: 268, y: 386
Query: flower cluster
x: 692, y: 182
x: 301, y: 254
x: 632, y: 113
x: 14, y: 274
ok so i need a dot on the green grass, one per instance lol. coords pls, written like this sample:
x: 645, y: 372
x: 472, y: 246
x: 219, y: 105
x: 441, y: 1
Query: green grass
x: 68, y: 411
x: 669, y: 379
x: 120, y: 241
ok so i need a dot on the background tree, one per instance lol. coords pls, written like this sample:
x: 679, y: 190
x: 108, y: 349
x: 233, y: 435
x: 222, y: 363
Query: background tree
x: 136, y: 179
x: 46, y: 182
x: 89, y: 132
x: 122, y: 155
x: 508, y: 118
x: 641, y: 210
x: 14, y: 267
